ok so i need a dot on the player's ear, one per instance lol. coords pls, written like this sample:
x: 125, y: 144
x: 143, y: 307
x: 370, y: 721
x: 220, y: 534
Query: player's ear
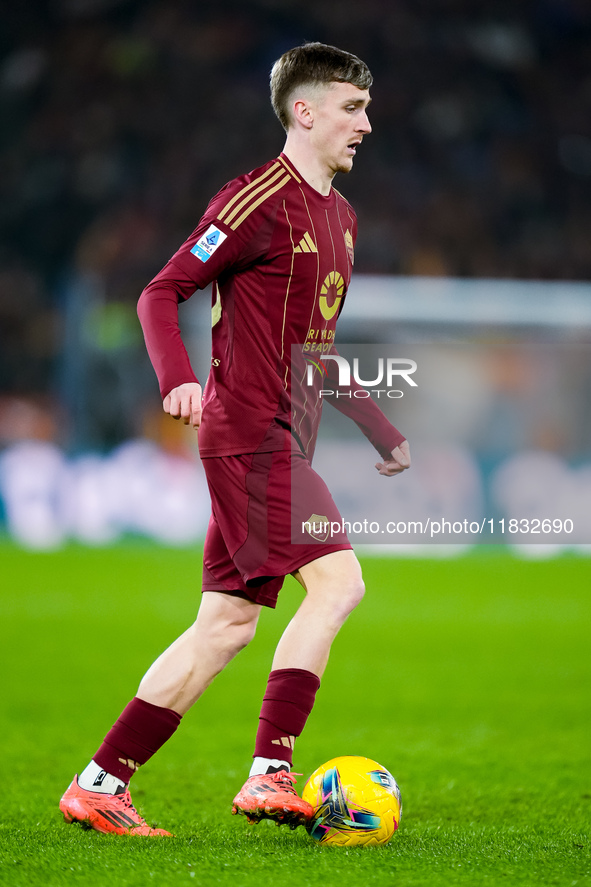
x: 303, y: 113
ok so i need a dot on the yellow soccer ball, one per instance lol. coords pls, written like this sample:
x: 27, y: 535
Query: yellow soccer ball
x: 356, y: 802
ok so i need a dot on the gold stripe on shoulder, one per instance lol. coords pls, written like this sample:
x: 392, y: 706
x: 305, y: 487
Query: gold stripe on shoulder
x: 289, y: 169
x: 252, y: 193
x: 246, y: 189
x: 252, y: 206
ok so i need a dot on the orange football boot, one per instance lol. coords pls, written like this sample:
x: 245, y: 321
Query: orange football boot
x: 111, y: 814
x: 272, y: 796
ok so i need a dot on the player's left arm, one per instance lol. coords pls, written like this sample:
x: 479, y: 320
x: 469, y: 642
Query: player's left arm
x: 387, y: 440
x: 397, y: 463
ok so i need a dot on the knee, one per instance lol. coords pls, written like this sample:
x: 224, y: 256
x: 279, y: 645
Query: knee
x: 233, y: 636
x: 226, y: 636
x: 342, y: 599
x: 352, y: 587
x: 241, y: 633
x: 225, y: 624
x: 352, y: 594
x: 335, y: 585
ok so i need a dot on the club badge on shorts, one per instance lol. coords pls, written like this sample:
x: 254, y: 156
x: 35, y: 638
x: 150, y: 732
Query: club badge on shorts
x: 317, y: 526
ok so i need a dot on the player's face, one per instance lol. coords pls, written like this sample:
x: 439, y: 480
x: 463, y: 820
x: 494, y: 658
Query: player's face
x: 340, y: 122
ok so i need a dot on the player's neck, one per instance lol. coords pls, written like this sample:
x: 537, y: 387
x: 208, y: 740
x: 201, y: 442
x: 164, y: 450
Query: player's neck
x: 309, y: 166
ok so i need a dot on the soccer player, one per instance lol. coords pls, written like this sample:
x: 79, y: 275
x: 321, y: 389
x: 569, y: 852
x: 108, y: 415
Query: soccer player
x: 277, y: 244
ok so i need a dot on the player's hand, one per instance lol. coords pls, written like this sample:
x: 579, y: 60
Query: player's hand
x: 184, y: 403
x: 399, y: 462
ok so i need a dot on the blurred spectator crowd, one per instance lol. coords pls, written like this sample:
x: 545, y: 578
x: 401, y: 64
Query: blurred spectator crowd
x: 121, y: 118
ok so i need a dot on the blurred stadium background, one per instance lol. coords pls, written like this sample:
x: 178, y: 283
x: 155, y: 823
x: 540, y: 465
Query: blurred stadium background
x: 120, y: 119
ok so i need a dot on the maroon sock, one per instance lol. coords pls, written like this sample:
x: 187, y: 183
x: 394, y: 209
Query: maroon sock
x: 288, y: 701
x: 136, y: 735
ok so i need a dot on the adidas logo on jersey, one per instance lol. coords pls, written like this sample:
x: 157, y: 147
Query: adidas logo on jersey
x: 306, y: 245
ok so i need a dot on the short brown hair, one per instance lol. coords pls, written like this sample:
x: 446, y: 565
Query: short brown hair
x: 313, y: 64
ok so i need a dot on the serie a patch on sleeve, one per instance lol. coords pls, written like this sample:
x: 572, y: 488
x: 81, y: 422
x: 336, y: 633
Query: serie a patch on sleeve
x: 208, y: 243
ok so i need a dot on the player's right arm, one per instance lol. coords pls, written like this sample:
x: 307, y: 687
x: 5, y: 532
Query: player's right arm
x: 184, y: 402
x: 211, y: 249
x: 158, y: 314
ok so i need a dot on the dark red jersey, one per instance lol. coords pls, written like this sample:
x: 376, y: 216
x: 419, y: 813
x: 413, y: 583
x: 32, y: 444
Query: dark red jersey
x: 279, y: 255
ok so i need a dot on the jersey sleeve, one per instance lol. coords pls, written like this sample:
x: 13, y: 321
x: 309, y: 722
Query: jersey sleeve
x: 223, y: 240
x: 364, y: 411
x: 159, y: 317
x: 214, y: 248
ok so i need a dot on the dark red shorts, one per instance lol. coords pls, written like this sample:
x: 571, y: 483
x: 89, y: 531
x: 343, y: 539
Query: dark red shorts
x: 270, y: 514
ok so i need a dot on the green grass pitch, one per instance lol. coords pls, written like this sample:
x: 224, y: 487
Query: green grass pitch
x: 468, y: 678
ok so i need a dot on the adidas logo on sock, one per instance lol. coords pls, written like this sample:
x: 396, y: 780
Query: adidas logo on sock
x: 129, y: 762
x: 286, y: 741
